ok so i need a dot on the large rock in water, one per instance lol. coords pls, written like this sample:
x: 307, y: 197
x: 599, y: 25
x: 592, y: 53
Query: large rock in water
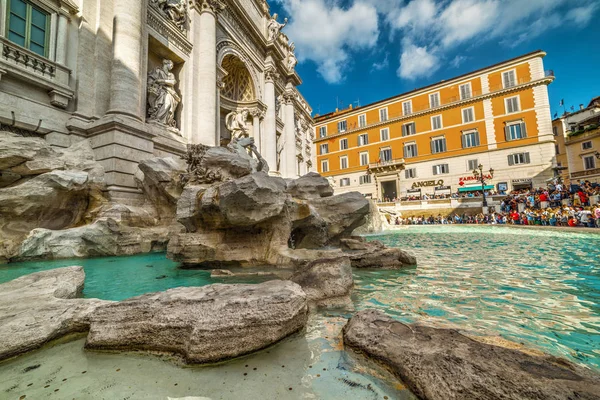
x: 326, y: 279
x: 37, y: 308
x: 442, y: 364
x: 310, y: 186
x: 202, y: 325
x: 375, y: 255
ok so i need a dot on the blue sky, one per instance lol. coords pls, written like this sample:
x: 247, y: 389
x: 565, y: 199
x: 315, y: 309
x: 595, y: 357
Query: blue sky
x: 367, y: 50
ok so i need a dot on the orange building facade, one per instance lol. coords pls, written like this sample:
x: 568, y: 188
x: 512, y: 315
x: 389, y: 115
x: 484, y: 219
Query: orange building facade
x: 428, y: 141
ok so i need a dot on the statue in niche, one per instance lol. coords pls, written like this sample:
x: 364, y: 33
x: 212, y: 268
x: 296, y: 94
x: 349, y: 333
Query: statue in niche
x: 175, y: 10
x: 275, y: 27
x: 292, y: 60
x: 236, y: 123
x: 163, y: 100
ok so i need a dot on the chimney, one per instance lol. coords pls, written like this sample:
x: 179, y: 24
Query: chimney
x: 350, y: 108
x: 581, y: 107
x: 337, y: 110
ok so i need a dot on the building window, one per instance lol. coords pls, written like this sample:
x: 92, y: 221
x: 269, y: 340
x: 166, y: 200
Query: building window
x: 436, y: 122
x: 470, y: 139
x: 586, y: 145
x: 472, y: 165
x: 384, y: 134
x: 386, y: 155
x: 342, y: 126
x: 344, y: 162
x: 364, y: 158
x: 383, y: 115
x: 556, y: 149
x: 509, y: 78
x: 364, y: 179
x: 343, y: 144
x: 515, y: 131
x: 324, y: 148
x: 28, y: 27
x: 410, y: 173
x: 362, y: 120
x: 410, y: 150
x: 438, y: 145
x: 434, y: 100
x: 589, y: 162
x: 325, y: 166
x: 409, y: 129
x: 441, y: 169
x: 322, y: 131
x: 345, y: 182
x: 512, y: 105
x: 519, y: 158
x: 555, y: 131
x: 363, y: 139
x: 407, y: 108
x: 465, y: 91
x: 468, y: 115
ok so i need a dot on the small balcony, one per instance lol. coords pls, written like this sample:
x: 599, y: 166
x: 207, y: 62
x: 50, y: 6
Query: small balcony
x: 385, y: 167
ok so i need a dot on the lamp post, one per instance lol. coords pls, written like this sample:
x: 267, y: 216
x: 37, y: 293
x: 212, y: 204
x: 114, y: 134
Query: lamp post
x: 478, y: 173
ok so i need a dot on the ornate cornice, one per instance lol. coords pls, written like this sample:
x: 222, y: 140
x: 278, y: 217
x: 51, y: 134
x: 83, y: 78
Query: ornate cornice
x: 168, y: 30
x: 271, y: 75
x: 211, y: 6
x: 288, y: 98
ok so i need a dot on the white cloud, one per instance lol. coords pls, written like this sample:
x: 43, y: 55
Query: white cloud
x: 326, y: 33
x: 464, y: 19
x: 582, y: 15
x: 383, y: 64
x: 458, y: 61
x: 417, y: 14
x: 417, y: 62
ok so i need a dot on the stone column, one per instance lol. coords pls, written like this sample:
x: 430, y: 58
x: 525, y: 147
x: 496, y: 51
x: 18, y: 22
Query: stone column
x: 206, y: 131
x: 220, y: 86
x: 126, y: 77
x: 269, y: 136
x: 257, y: 115
x: 3, y: 6
x: 62, y: 39
x: 288, y: 163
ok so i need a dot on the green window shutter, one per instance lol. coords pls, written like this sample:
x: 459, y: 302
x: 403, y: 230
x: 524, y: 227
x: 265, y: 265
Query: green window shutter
x: 527, y: 159
x: 432, y: 147
x: 523, y: 130
x: 477, y: 142
x: 404, y: 130
x: 434, y: 170
x: 507, y: 133
x: 463, y: 140
x: 511, y: 160
x: 416, y: 151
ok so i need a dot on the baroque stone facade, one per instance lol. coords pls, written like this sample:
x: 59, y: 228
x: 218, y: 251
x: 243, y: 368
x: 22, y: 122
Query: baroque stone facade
x: 203, y: 60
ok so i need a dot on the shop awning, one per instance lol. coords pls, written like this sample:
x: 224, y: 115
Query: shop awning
x: 474, y: 188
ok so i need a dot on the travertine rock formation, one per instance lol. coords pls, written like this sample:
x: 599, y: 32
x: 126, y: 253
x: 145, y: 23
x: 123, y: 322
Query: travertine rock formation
x: 442, y: 364
x: 40, y: 307
x: 202, y: 325
x: 326, y: 281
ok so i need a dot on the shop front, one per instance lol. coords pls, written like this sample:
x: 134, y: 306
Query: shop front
x: 522, y: 184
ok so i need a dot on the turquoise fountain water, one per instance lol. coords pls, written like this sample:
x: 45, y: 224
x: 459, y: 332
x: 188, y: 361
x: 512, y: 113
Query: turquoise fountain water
x: 539, y: 288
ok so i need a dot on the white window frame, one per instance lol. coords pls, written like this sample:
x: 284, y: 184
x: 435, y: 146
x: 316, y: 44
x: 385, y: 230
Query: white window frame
x: 433, y: 128
x: 323, y: 131
x: 387, y: 116
x: 344, y: 182
x: 359, y: 139
x: 409, y: 102
x: 386, y: 149
x: 325, y: 166
x: 364, y: 116
x: 414, y: 143
x: 476, y: 162
x: 514, y: 70
x: 591, y: 157
x: 439, y: 168
x: 520, y: 123
x: 343, y: 158
x: 460, y: 92
x: 381, y: 134
x: 344, y: 140
x: 439, y: 102
x: 469, y: 132
x: 520, y: 155
x: 472, y: 114
x: 360, y: 157
x: 412, y: 175
x: 324, y: 146
x: 436, y: 138
x: 587, y: 148
x: 345, y: 122
x: 410, y: 123
x: 363, y: 181
x: 518, y: 104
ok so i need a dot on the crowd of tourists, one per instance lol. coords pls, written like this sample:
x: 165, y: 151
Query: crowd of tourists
x: 556, y: 205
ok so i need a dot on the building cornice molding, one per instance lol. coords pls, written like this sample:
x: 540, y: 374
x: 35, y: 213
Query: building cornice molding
x: 543, y: 81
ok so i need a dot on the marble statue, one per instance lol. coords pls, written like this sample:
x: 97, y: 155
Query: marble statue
x: 275, y: 27
x: 292, y: 60
x: 245, y: 147
x: 175, y: 10
x: 163, y: 100
x: 236, y: 123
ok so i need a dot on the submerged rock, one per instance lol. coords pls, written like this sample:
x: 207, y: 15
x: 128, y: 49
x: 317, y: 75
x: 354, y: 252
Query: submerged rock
x: 375, y: 254
x: 202, y: 324
x: 442, y: 364
x: 40, y: 307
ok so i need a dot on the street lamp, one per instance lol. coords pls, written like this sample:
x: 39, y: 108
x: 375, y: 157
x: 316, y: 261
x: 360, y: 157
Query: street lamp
x: 478, y: 173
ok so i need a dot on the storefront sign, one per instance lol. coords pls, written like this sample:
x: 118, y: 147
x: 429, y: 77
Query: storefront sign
x: 520, y: 181
x: 502, y: 187
x: 413, y: 191
x: 473, y: 178
x: 428, y: 183
x: 439, y: 188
